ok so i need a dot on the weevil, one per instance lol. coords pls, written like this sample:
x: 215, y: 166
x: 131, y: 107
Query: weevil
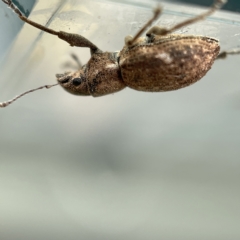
x: 159, y: 61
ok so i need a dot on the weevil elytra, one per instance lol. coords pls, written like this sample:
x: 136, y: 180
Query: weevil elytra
x: 160, y: 61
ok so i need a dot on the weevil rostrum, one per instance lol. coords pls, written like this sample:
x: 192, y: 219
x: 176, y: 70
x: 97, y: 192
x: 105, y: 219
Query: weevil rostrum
x: 160, y: 61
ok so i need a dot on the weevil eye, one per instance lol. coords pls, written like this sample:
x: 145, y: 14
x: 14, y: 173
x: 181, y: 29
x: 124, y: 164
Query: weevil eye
x: 76, y: 81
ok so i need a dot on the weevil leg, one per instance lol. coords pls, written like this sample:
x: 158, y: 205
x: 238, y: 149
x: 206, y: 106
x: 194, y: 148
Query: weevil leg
x: 224, y: 54
x: 156, y: 13
x: 73, y: 39
x: 73, y: 65
x: 76, y: 59
x: 164, y: 31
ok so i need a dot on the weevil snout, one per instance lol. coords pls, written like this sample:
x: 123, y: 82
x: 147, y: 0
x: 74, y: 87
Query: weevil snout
x: 74, y: 83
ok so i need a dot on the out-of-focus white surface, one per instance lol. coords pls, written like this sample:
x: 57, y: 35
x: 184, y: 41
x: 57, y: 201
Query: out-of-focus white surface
x: 132, y: 165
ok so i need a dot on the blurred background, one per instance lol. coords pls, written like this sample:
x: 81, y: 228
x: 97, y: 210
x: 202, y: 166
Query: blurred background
x: 231, y: 5
x: 130, y: 165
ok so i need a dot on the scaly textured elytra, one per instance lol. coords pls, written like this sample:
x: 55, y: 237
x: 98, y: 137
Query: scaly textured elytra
x: 160, y: 61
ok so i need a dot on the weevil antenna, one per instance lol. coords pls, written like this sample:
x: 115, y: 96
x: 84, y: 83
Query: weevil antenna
x: 7, y: 103
x: 73, y: 39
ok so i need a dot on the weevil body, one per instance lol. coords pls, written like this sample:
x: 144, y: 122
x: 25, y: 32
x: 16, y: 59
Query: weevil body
x: 160, y: 61
x: 152, y: 64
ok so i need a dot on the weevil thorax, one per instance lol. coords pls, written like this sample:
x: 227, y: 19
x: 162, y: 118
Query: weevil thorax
x: 74, y: 82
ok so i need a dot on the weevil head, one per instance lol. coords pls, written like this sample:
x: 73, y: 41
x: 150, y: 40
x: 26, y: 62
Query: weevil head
x: 74, y: 83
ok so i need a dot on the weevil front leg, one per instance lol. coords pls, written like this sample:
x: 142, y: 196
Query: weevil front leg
x: 76, y: 59
x: 74, y: 65
x: 73, y: 39
x: 156, y: 30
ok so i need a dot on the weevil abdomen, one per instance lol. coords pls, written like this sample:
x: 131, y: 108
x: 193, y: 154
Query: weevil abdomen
x: 167, y: 63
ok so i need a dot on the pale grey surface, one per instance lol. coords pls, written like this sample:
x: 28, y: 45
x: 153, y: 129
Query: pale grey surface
x: 10, y: 26
x: 131, y: 165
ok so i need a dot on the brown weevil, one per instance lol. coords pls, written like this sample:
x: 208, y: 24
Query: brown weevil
x: 160, y: 61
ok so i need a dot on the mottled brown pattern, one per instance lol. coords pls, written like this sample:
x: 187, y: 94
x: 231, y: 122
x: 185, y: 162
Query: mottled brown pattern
x: 103, y: 75
x: 100, y: 76
x: 168, y: 63
x: 152, y: 64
